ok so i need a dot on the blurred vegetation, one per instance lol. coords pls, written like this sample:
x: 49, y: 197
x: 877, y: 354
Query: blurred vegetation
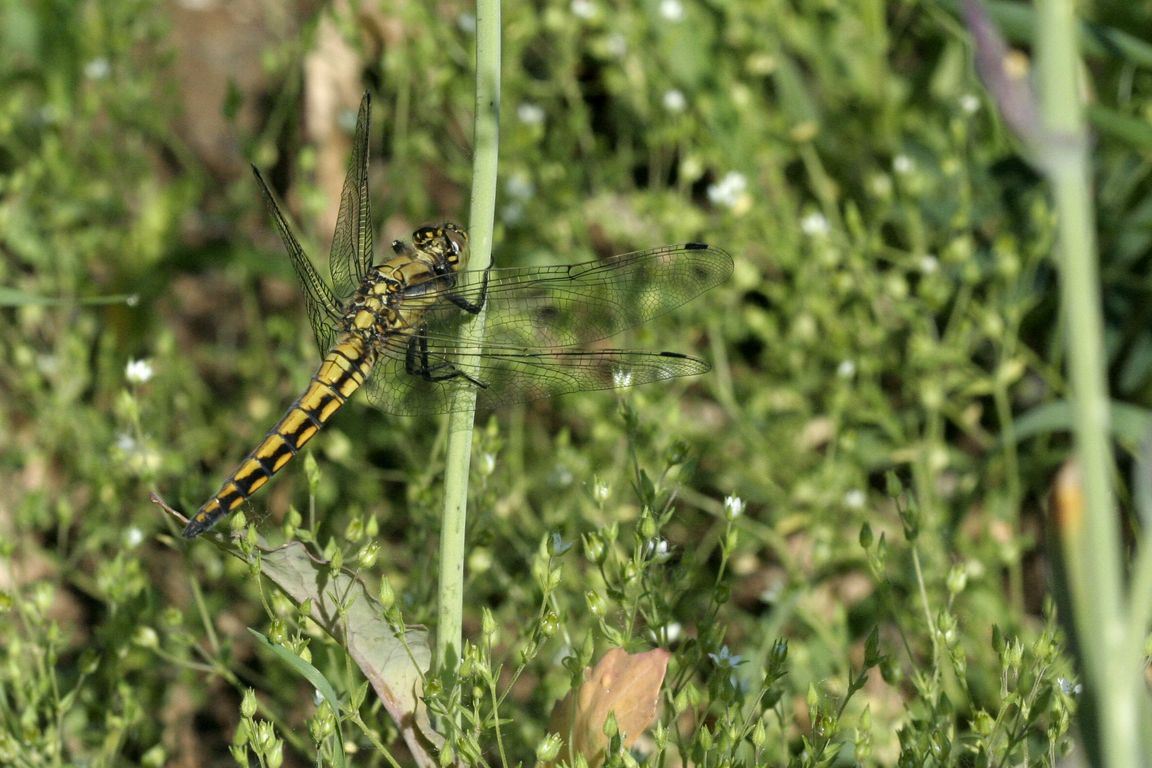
x: 878, y: 594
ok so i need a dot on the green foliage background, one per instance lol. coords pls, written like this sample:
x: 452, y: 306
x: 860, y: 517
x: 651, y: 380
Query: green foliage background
x: 882, y: 356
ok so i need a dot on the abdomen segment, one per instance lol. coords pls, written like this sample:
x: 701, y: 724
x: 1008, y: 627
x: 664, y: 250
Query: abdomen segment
x: 340, y: 374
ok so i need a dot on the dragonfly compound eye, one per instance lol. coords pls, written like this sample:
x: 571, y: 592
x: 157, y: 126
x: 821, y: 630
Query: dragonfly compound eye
x: 455, y: 238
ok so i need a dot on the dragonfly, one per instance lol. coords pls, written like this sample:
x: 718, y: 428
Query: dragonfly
x: 393, y: 329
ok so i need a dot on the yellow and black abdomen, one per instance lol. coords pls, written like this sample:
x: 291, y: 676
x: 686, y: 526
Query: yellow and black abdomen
x: 340, y: 374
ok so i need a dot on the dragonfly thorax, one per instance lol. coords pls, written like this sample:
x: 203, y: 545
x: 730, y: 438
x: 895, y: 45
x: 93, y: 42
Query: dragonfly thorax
x: 394, y: 295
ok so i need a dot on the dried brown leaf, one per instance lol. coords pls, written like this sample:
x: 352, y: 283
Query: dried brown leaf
x: 624, y: 684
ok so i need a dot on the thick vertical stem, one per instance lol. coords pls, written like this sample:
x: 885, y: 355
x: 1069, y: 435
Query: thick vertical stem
x: 486, y: 136
x: 1093, y: 550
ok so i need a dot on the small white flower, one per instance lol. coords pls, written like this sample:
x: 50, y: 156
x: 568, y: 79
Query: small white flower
x: 136, y: 456
x: 617, y: 45
x: 466, y: 23
x: 97, y: 69
x: 672, y: 10
x: 138, y: 371
x: 49, y: 365
x: 880, y: 185
x: 1068, y: 687
x: 726, y: 659
x: 512, y: 213
x: 562, y: 476
x: 621, y: 378
x: 970, y: 103
x: 728, y: 191
x: 656, y: 549
x: 814, y: 224
x: 520, y: 187
x: 733, y: 507
x: 673, y: 631
x: 487, y: 463
x: 146, y: 637
x: 584, y: 9
x: 559, y: 546
x: 530, y: 114
x: 855, y: 499
x: 902, y: 164
x: 600, y: 491
x: 674, y: 100
x: 929, y: 264
x: 133, y: 537
x: 771, y: 593
x: 846, y: 369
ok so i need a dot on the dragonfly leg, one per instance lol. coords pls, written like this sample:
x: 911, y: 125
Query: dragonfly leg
x: 416, y: 363
x: 468, y: 306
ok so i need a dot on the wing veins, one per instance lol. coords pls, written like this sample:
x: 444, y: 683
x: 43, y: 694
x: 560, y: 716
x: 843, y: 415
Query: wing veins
x: 351, y: 255
x: 320, y: 304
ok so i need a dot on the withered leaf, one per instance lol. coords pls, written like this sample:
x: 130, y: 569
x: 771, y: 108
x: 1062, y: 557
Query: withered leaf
x: 624, y: 684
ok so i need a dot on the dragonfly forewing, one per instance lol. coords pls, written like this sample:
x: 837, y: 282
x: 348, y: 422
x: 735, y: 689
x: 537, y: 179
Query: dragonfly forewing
x: 351, y: 256
x: 582, y: 303
x: 319, y: 302
x: 536, y: 316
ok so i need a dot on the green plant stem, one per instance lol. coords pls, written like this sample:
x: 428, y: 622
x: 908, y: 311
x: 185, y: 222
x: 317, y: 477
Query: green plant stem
x: 1140, y: 600
x: 1093, y: 553
x: 460, y: 422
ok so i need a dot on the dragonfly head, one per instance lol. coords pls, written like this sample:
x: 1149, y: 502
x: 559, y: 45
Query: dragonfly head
x: 443, y: 244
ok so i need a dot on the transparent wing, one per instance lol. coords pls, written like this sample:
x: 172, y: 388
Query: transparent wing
x: 352, y: 242
x: 536, y: 315
x: 323, y: 311
x: 518, y: 375
x: 580, y: 303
